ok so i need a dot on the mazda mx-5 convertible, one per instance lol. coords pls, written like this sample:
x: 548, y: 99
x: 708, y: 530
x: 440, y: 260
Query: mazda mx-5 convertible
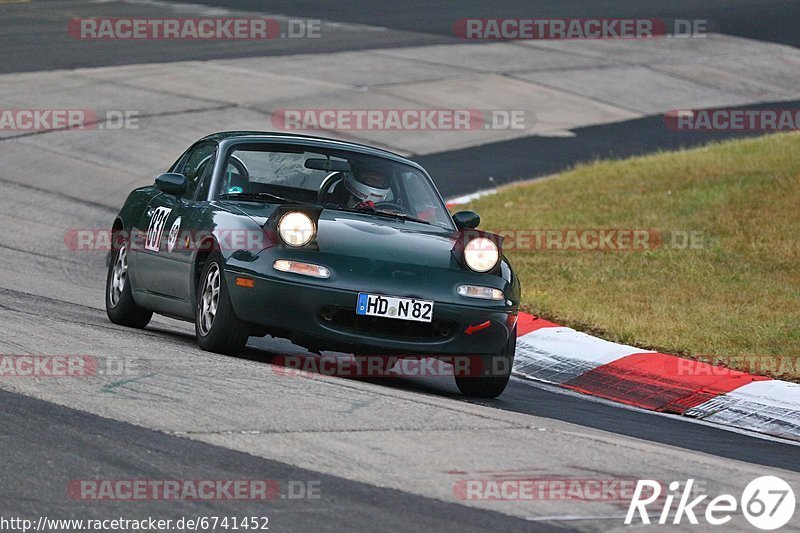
x: 333, y: 245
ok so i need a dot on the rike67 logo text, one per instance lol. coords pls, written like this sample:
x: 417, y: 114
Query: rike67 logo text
x: 767, y: 502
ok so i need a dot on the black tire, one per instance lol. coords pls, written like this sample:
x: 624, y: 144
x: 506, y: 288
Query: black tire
x: 120, y: 307
x: 224, y: 333
x: 496, y: 371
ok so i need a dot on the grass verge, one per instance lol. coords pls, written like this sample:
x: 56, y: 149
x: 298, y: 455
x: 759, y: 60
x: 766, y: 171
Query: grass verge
x: 723, y: 288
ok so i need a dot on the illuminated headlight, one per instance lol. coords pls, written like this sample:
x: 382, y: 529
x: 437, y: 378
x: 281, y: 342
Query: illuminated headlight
x: 475, y: 291
x: 306, y: 269
x: 296, y: 229
x: 481, y: 254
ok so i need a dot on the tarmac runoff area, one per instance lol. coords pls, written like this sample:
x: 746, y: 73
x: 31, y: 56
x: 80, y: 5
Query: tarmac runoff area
x: 148, y: 114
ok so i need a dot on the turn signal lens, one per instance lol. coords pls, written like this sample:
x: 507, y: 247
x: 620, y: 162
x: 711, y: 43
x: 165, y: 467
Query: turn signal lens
x: 306, y: 269
x: 485, y: 293
x: 245, y: 282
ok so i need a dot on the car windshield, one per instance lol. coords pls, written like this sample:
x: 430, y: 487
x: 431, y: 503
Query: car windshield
x: 334, y: 179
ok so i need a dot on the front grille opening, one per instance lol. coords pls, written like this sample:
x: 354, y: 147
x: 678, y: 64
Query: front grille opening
x: 346, y: 318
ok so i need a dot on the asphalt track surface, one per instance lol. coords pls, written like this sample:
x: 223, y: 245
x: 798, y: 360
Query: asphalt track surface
x: 484, y: 167
x: 766, y: 20
x: 75, y: 444
x: 35, y: 35
x: 50, y: 444
x: 35, y: 32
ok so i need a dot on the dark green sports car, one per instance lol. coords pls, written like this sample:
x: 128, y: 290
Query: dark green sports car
x: 333, y: 245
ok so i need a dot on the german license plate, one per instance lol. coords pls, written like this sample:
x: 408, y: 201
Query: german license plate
x: 394, y: 307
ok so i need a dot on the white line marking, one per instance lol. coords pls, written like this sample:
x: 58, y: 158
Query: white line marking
x: 467, y: 198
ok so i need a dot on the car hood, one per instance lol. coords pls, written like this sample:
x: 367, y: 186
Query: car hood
x: 345, y: 234
x: 391, y: 240
x: 374, y: 254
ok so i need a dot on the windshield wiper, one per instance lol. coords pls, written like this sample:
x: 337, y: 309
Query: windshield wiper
x: 388, y: 214
x: 260, y: 196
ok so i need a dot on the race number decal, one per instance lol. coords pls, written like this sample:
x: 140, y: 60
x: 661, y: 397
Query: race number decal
x: 173, y: 234
x: 155, y: 229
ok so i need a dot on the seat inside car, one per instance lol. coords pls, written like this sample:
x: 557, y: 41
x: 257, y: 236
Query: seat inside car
x: 236, y: 184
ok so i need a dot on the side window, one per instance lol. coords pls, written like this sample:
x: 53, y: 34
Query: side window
x: 423, y: 201
x: 196, y: 162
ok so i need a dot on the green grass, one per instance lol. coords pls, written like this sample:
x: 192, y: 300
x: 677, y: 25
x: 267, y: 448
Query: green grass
x: 735, y: 300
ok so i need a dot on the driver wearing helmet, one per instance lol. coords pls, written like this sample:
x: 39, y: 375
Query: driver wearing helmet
x: 368, y: 185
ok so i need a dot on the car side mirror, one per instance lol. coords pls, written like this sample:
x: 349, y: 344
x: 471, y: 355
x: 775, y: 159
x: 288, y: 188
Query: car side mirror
x: 172, y: 183
x: 466, y: 219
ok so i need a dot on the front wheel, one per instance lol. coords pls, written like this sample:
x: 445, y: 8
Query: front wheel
x: 216, y: 325
x: 495, y: 373
x: 120, y: 307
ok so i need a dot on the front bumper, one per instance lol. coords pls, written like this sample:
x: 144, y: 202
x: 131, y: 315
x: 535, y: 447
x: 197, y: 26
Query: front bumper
x: 323, y: 317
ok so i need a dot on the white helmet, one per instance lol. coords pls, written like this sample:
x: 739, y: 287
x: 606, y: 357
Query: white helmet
x: 369, y: 186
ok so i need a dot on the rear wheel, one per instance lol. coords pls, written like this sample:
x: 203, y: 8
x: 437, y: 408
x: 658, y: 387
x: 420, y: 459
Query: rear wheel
x: 495, y: 373
x: 216, y: 325
x: 120, y: 307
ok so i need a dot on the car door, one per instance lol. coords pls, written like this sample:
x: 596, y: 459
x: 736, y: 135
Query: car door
x: 164, y: 264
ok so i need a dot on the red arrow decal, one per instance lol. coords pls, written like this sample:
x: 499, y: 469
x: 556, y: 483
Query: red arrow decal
x: 472, y: 329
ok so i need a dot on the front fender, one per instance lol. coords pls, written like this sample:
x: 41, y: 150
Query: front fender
x: 236, y: 237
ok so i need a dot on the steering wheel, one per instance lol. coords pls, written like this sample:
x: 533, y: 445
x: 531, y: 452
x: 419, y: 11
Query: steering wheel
x: 324, y: 189
x: 241, y: 169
